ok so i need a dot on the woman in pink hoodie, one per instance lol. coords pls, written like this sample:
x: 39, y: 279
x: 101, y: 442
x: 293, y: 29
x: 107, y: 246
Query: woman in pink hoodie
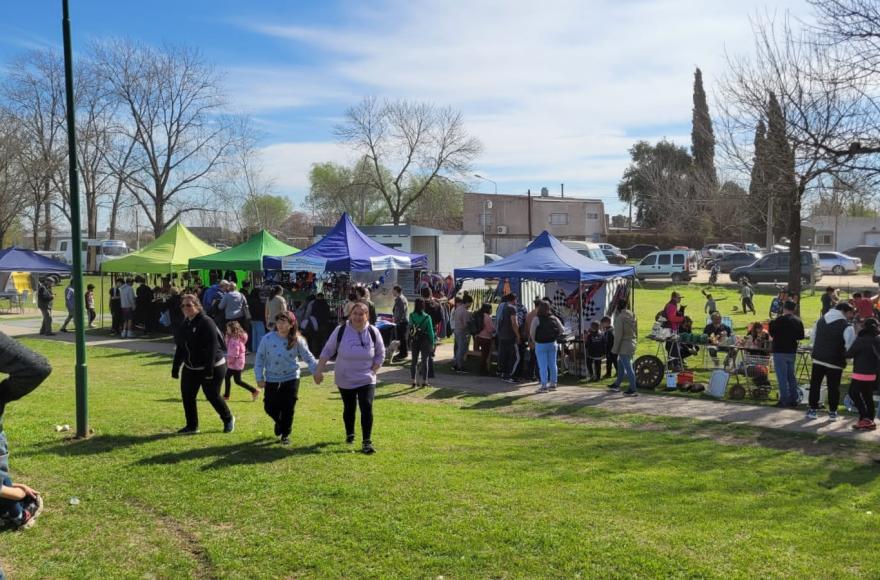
x: 236, y: 350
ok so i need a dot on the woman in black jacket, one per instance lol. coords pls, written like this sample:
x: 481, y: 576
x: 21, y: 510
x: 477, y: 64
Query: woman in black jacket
x: 200, y: 351
x: 865, y: 352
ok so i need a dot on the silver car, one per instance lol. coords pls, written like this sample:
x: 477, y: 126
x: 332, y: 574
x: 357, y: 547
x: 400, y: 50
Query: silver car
x: 837, y: 263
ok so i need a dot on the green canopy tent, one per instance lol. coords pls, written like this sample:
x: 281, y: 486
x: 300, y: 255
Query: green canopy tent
x: 170, y: 252
x: 247, y: 256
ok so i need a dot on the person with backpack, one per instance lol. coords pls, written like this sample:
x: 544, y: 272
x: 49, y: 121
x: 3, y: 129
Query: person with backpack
x: 484, y: 333
x: 544, y: 330
x: 865, y: 352
x: 460, y: 318
x: 359, y: 352
x: 276, y: 366
x: 199, y: 350
x: 422, y: 339
x: 400, y: 312
x: 435, y: 311
x: 508, y: 339
x: 626, y: 333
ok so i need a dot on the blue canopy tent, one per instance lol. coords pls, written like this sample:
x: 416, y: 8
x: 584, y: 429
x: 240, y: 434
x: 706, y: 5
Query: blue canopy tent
x: 546, y: 260
x: 346, y: 249
x: 20, y: 260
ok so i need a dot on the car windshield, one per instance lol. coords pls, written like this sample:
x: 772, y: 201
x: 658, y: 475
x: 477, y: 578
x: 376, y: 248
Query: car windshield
x: 113, y: 250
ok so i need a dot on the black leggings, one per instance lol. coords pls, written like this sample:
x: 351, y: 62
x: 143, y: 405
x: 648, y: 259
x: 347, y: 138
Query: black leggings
x: 421, y: 354
x: 862, y: 394
x: 351, y: 399
x: 280, y: 404
x: 236, y: 375
x: 832, y: 379
x: 610, y: 363
x: 594, y: 365
x: 191, y: 380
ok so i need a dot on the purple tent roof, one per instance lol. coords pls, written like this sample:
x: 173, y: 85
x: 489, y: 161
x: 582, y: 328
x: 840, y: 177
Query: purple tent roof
x: 547, y: 259
x: 20, y: 260
x: 346, y: 249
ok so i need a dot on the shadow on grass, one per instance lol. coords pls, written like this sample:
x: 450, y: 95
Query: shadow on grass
x: 400, y: 392
x: 495, y: 403
x: 97, y: 444
x: 248, y: 453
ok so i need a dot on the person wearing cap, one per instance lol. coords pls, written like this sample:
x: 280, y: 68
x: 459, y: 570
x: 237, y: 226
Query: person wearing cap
x: 674, y: 313
x: 785, y: 331
x: 832, y: 336
x: 45, y: 299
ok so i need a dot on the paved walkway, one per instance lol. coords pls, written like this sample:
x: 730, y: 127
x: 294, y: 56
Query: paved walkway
x: 646, y: 404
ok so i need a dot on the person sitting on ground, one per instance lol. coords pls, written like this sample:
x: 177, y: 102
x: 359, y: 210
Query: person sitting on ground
x: 865, y: 352
x: 19, y: 504
x: 717, y: 332
x: 829, y: 299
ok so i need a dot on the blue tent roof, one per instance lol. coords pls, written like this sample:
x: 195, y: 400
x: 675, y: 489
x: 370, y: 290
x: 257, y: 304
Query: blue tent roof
x: 547, y: 259
x: 20, y: 260
x: 346, y: 249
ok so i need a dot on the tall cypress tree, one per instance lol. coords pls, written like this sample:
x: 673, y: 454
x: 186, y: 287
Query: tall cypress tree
x: 779, y: 167
x: 758, y: 185
x: 702, y: 134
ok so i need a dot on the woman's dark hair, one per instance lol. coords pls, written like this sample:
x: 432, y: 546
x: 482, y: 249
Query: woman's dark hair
x: 543, y: 308
x: 420, y: 305
x: 621, y: 305
x: 293, y: 335
x: 360, y: 291
x: 870, y: 327
x: 277, y: 290
x: 352, y: 297
x: 486, y: 308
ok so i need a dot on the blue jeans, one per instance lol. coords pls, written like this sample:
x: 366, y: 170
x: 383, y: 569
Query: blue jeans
x: 783, y: 362
x: 10, y: 511
x: 462, y: 338
x: 546, y: 354
x: 258, y: 331
x: 625, y: 366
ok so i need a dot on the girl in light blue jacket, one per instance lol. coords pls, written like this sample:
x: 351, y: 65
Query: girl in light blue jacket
x: 277, y: 369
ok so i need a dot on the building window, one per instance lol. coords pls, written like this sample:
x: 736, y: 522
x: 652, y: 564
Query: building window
x: 558, y: 219
x: 485, y: 219
x: 824, y: 238
x: 592, y: 216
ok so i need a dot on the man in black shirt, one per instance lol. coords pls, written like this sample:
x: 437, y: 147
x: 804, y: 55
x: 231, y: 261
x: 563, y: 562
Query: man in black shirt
x: 786, y: 331
x: 719, y: 331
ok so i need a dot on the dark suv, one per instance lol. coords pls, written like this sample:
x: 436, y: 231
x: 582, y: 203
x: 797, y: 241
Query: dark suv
x: 774, y: 268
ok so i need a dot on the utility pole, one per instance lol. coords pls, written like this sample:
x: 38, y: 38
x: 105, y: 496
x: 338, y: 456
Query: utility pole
x: 81, y: 369
x: 529, y: 200
x: 630, y: 208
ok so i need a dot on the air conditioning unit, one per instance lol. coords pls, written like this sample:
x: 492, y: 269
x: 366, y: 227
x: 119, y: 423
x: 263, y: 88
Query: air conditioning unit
x: 501, y: 230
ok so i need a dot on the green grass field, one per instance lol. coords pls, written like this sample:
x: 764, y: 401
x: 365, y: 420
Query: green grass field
x: 461, y: 487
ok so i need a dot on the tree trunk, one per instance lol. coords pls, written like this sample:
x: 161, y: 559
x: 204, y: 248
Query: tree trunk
x: 47, y: 239
x: 159, y: 221
x: 794, y: 248
x: 35, y: 222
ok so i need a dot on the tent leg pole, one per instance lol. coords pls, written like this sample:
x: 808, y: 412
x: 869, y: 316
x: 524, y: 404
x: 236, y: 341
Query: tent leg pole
x: 102, y: 300
x: 581, y: 324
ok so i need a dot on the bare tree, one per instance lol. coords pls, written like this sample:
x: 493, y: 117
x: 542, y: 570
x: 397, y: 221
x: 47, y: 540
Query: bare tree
x: 415, y: 141
x: 170, y: 107
x: 13, y: 196
x: 821, y: 114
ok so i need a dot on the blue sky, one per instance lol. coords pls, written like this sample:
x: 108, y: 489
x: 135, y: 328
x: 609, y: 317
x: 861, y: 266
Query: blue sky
x: 556, y: 90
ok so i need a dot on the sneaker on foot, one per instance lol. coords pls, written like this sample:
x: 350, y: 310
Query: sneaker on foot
x: 32, y: 509
x: 614, y: 388
x: 832, y: 415
x: 188, y: 431
x: 225, y: 397
x: 349, y: 438
x: 368, y: 449
x: 256, y: 394
x: 510, y: 380
x: 63, y: 329
x: 229, y: 426
x: 863, y: 425
x: 551, y: 388
x: 631, y: 394
x: 285, y: 440
x: 542, y: 389
x: 811, y: 414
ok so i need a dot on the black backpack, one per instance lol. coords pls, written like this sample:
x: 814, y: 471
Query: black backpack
x: 475, y: 323
x: 548, y: 329
x: 341, y: 332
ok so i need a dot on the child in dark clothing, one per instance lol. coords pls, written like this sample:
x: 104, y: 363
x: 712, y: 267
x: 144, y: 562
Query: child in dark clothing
x: 595, y: 342
x: 865, y: 352
x: 610, y: 357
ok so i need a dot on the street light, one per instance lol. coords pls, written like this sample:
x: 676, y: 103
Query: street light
x: 478, y: 176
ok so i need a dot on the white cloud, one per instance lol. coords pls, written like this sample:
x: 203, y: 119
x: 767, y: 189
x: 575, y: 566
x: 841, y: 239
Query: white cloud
x: 558, y: 89
x: 288, y: 164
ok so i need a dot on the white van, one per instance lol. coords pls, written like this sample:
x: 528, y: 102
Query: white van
x: 592, y: 251
x: 675, y: 264
x: 877, y: 268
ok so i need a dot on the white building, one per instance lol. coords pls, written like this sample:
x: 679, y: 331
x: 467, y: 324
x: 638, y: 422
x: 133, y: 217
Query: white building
x: 838, y: 233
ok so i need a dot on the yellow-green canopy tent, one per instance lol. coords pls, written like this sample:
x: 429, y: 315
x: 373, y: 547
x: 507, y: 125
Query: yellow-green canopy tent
x: 170, y: 252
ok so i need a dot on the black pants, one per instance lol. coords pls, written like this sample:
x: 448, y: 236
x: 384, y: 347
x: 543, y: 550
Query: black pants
x: 46, y: 327
x: 351, y: 399
x: 402, y: 328
x: 116, y: 316
x: 508, y: 357
x: 421, y: 353
x: 832, y: 379
x: 190, y: 383
x: 594, y: 366
x: 235, y: 375
x: 610, y: 363
x: 279, y: 401
x: 862, y: 394
x: 747, y: 305
x: 92, y: 316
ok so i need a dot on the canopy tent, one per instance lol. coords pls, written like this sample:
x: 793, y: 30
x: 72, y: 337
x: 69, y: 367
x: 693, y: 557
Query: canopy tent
x: 245, y: 256
x: 170, y: 252
x: 20, y: 260
x: 547, y: 259
x: 346, y: 249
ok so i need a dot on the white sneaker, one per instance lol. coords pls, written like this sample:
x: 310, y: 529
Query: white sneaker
x: 542, y: 389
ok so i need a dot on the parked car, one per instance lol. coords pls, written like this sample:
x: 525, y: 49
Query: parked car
x: 838, y: 264
x: 718, y: 250
x: 675, y: 264
x: 731, y: 261
x: 775, y: 267
x: 606, y: 246
x: 867, y: 254
x: 614, y: 257
x: 877, y: 269
x: 587, y: 249
x: 639, y: 251
x: 489, y: 258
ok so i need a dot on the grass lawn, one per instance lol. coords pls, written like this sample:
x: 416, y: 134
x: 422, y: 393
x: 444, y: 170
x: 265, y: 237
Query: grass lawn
x: 461, y: 486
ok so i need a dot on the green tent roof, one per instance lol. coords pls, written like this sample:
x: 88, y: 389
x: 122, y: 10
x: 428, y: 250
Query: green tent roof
x: 246, y: 256
x: 170, y: 252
